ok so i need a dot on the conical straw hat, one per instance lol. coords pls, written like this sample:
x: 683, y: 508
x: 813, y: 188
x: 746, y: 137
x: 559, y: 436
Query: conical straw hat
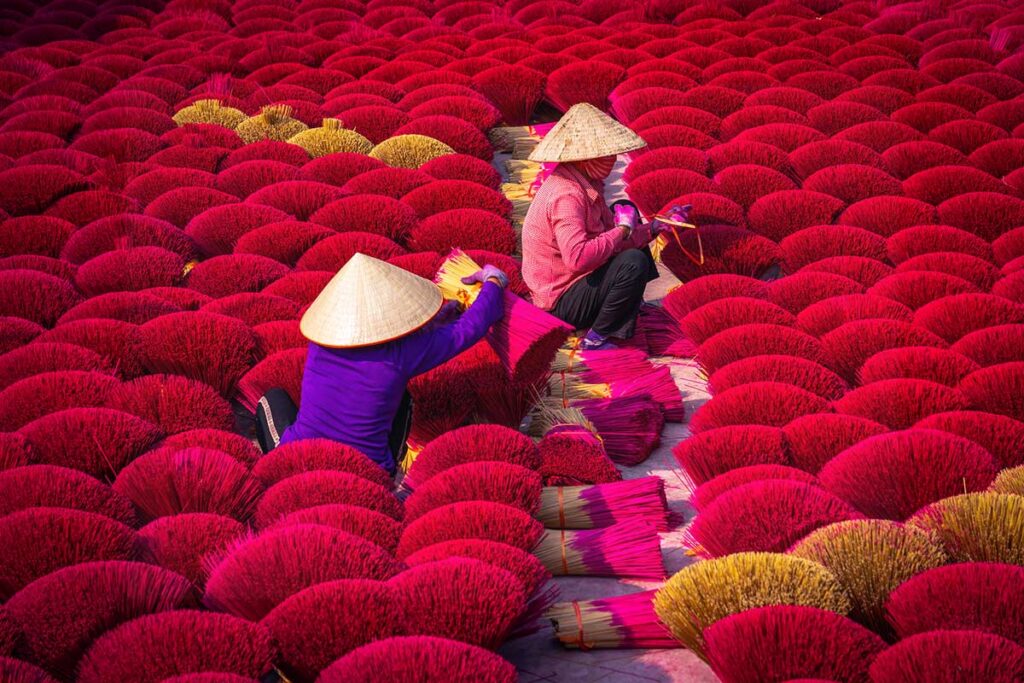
x: 586, y: 132
x: 369, y: 302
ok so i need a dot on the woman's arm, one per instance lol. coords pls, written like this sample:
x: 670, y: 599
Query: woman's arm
x: 437, y: 346
x: 580, y: 252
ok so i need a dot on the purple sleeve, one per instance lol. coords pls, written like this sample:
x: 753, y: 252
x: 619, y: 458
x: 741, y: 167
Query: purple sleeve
x: 436, y: 346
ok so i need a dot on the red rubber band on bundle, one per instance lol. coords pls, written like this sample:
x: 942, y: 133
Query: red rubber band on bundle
x: 561, y: 507
x: 565, y: 560
x: 580, y: 643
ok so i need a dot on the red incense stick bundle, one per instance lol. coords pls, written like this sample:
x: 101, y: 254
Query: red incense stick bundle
x: 623, y: 621
x: 499, y: 400
x: 525, y: 339
x: 603, y: 505
x: 573, y: 455
x: 629, y: 549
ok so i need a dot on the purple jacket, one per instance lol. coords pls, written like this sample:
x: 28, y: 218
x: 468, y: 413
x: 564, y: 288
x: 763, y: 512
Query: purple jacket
x: 352, y: 395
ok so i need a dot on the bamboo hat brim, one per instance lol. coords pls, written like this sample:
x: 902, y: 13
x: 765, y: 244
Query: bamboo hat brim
x: 586, y: 132
x: 369, y: 302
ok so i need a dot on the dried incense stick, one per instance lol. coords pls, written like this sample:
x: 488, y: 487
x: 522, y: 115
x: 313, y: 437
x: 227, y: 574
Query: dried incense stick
x: 623, y: 621
x: 628, y: 549
x: 603, y: 505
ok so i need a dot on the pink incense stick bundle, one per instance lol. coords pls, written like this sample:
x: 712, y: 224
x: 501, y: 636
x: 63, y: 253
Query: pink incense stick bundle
x: 603, y: 505
x: 525, y: 339
x: 629, y: 549
x: 660, y: 386
x: 613, y: 374
x: 623, y: 621
x: 663, y: 333
x: 601, y: 366
x: 630, y: 427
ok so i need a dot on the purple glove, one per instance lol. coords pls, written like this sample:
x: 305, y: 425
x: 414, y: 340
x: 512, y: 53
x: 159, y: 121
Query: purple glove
x: 677, y: 213
x: 486, y: 273
x: 625, y: 215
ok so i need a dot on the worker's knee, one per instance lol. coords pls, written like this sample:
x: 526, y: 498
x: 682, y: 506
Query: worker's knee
x: 631, y: 265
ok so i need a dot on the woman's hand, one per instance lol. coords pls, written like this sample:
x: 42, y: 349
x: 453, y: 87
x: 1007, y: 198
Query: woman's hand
x: 679, y: 214
x: 488, y: 273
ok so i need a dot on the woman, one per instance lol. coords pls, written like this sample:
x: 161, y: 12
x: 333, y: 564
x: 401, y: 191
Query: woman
x: 582, y: 262
x: 372, y: 329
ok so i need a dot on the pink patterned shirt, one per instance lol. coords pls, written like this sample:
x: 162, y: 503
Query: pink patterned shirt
x: 568, y: 233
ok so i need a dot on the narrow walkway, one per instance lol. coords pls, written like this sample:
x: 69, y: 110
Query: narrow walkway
x: 540, y: 657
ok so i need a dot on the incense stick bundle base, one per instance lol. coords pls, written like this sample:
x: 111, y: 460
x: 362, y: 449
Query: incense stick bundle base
x: 595, y: 507
x: 629, y: 549
x: 623, y: 621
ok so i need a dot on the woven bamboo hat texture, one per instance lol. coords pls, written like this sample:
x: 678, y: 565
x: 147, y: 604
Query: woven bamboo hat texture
x: 369, y: 302
x: 586, y: 132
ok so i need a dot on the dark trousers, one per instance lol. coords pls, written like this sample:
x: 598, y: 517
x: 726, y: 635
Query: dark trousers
x: 276, y: 411
x: 608, y: 299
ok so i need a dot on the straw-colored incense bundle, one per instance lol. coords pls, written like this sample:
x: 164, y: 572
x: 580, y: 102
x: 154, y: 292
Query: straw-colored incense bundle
x: 977, y: 527
x: 409, y: 151
x: 274, y: 122
x: 623, y: 621
x: 525, y: 339
x: 210, y: 111
x: 522, y: 171
x: 870, y: 558
x: 704, y: 592
x: 331, y: 138
x: 1010, y: 480
x: 602, y: 505
x: 504, y: 137
x: 628, y: 549
x: 548, y: 415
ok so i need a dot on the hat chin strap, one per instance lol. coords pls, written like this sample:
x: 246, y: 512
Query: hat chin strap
x: 596, y: 169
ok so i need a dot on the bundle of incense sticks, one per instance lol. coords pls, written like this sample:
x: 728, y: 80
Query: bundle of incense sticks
x: 521, y: 196
x: 525, y: 339
x: 664, y: 335
x: 603, y: 505
x: 573, y: 455
x: 601, y: 366
x: 521, y: 171
x: 506, y: 138
x: 654, y: 382
x: 629, y: 427
x: 623, y: 621
x: 629, y: 549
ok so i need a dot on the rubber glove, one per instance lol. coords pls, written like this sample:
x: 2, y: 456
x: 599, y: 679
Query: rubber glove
x: 677, y: 213
x: 486, y: 273
x: 626, y: 215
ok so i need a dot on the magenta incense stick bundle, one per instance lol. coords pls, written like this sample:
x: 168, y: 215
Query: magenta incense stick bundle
x: 623, y: 621
x: 525, y: 339
x: 612, y: 374
x: 629, y: 549
x: 603, y: 505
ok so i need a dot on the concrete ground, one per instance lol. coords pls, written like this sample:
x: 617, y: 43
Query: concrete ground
x: 539, y: 657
